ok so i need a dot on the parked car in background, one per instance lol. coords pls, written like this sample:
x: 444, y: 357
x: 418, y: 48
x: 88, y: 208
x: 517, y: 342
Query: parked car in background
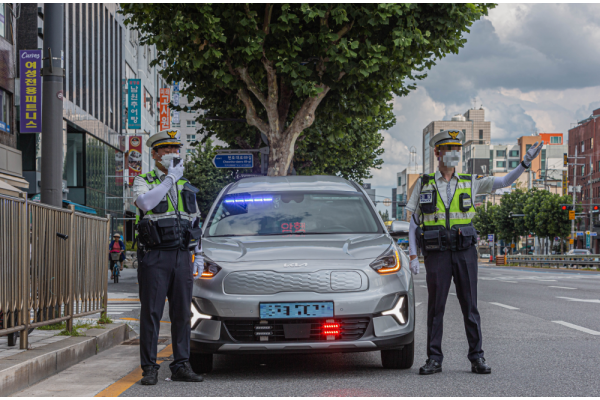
x: 579, y: 252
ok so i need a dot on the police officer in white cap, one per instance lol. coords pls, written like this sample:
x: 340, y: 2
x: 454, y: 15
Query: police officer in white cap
x: 442, y: 207
x: 168, y: 233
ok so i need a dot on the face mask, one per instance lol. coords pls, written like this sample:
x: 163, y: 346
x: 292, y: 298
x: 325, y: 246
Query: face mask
x: 167, y: 158
x: 451, y: 158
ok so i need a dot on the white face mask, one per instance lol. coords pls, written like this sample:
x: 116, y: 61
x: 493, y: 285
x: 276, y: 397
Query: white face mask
x: 167, y: 158
x: 451, y: 158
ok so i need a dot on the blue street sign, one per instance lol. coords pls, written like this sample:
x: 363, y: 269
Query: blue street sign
x: 490, y: 237
x: 233, y: 161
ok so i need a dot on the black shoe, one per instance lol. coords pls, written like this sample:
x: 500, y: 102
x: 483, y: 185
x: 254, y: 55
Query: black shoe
x: 430, y: 367
x: 480, y: 367
x: 150, y: 375
x: 185, y: 374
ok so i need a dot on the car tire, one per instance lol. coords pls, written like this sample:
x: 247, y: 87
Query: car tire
x: 399, y: 358
x: 201, y: 363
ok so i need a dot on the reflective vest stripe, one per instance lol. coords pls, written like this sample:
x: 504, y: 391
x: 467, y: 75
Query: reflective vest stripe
x: 170, y: 210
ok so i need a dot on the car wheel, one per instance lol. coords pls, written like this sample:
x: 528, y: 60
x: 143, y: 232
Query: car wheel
x: 201, y: 363
x: 399, y: 358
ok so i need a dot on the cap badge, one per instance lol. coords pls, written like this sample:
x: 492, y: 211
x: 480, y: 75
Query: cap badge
x: 172, y: 134
x: 453, y: 134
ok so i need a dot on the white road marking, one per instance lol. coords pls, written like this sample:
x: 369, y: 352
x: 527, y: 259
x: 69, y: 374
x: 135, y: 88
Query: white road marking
x: 579, y: 328
x: 562, y: 287
x: 417, y: 304
x: 508, y: 281
x: 580, y: 300
x: 505, y: 306
x: 423, y: 286
x: 453, y: 294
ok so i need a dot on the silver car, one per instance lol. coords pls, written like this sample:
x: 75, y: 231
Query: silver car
x: 301, y: 264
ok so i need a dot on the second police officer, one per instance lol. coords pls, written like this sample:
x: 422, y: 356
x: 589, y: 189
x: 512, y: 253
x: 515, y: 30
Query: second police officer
x: 167, y: 231
x: 442, y: 207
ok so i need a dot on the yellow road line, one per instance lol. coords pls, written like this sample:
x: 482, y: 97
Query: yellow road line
x: 117, y: 388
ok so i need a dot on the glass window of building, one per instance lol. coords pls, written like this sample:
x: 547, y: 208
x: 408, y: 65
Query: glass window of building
x: 527, y: 147
x: 501, y: 164
x: 2, y: 19
x: 191, y: 138
x: 399, y: 181
x: 582, y: 147
x: 5, y: 102
x: 513, y: 164
x: 513, y: 153
x: 500, y: 153
x: 149, y: 102
x: 555, y: 139
x: 481, y: 134
x: 176, y: 125
x: 190, y: 123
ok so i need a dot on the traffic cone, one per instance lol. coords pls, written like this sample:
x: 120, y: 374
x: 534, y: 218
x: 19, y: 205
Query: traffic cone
x: 491, y: 258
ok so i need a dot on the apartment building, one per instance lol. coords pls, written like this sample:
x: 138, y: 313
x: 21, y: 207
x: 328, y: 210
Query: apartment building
x: 405, y: 184
x: 473, y: 125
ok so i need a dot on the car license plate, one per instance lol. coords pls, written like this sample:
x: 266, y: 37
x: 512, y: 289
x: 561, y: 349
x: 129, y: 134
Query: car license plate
x: 296, y: 310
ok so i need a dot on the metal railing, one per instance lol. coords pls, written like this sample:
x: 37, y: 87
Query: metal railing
x: 53, y: 264
x: 592, y: 260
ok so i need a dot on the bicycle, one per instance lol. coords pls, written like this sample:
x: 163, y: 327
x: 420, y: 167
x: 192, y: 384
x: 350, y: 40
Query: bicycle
x: 114, y: 259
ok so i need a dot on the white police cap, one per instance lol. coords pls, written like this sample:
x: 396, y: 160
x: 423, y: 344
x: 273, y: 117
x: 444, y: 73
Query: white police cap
x: 448, y: 137
x: 168, y: 137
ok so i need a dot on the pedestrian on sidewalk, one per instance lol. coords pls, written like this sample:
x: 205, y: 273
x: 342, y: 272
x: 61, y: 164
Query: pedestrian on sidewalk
x: 168, y: 232
x: 442, y: 207
x: 116, y: 253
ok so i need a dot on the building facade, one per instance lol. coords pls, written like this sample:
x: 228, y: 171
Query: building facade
x: 12, y: 182
x: 581, y: 139
x: 473, y: 125
x: 405, y: 184
x: 100, y: 55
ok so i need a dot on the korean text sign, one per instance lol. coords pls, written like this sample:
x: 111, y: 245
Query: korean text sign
x: 134, y: 113
x: 31, y: 91
x: 134, y: 159
x: 165, y: 122
x: 175, y: 102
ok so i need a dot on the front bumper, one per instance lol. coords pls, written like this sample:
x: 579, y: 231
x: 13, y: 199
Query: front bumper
x: 378, y: 333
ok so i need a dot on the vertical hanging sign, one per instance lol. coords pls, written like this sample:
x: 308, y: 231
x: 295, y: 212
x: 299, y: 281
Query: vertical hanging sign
x: 134, y: 116
x: 564, y: 183
x: 31, y: 91
x: 165, y: 99
x: 134, y: 159
x: 176, y: 102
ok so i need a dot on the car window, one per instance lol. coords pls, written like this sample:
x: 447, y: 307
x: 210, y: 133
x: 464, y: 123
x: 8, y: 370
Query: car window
x: 286, y: 213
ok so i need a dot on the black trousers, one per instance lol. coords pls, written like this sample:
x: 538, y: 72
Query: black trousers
x: 441, y: 267
x: 165, y: 273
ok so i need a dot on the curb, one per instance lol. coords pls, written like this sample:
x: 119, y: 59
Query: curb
x: 29, y: 367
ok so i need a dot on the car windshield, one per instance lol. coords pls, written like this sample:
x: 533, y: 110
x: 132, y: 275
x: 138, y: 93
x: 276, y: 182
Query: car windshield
x: 286, y: 213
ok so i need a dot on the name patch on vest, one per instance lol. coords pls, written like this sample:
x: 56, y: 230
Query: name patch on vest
x: 467, y: 203
x: 426, y: 198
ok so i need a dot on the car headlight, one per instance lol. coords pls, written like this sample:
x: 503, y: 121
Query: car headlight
x: 197, y: 316
x: 387, y: 263
x: 210, y: 269
x: 399, y: 311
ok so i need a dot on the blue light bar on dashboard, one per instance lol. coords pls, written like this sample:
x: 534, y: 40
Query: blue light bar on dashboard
x: 258, y: 199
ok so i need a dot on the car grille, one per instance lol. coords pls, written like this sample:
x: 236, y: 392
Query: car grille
x: 350, y: 329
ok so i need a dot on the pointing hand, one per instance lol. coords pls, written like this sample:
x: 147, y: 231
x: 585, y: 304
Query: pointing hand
x: 532, y: 153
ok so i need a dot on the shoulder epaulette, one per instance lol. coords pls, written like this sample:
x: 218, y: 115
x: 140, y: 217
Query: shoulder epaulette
x: 463, y: 176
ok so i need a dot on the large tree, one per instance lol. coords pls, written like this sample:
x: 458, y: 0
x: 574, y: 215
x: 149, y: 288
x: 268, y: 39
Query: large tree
x: 278, y: 62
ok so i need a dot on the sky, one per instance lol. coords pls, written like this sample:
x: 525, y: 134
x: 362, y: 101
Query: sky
x: 533, y: 68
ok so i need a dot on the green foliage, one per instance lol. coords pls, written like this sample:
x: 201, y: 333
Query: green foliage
x: 104, y: 319
x: 201, y: 172
x: 485, y: 219
x: 507, y: 227
x: 53, y: 327
x: 385, y: 216
x: 283, y: 66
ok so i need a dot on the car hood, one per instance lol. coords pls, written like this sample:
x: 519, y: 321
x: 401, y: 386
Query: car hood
x: 310, y: 247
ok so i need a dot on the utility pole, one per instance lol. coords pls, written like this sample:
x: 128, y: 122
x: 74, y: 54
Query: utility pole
x: 52, y: 105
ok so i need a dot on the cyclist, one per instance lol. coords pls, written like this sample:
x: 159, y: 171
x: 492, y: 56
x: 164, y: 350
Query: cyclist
x: 116, y: 247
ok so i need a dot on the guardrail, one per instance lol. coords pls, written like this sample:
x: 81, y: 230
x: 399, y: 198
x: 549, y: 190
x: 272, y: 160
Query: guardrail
x: 53, y: 264
x: 555, y: 260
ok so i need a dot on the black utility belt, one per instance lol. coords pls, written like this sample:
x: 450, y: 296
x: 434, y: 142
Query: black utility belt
x: 167, y: 233
x: 441, y: 239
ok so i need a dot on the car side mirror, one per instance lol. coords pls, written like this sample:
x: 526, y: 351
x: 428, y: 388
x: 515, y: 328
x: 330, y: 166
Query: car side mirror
x: 399, y: 228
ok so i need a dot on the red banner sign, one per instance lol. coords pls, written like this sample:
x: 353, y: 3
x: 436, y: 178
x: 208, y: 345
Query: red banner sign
x: 165, y: 117
x: 134, y: 159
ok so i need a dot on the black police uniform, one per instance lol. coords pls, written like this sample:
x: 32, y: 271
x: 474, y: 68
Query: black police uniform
x: 166, y: 270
